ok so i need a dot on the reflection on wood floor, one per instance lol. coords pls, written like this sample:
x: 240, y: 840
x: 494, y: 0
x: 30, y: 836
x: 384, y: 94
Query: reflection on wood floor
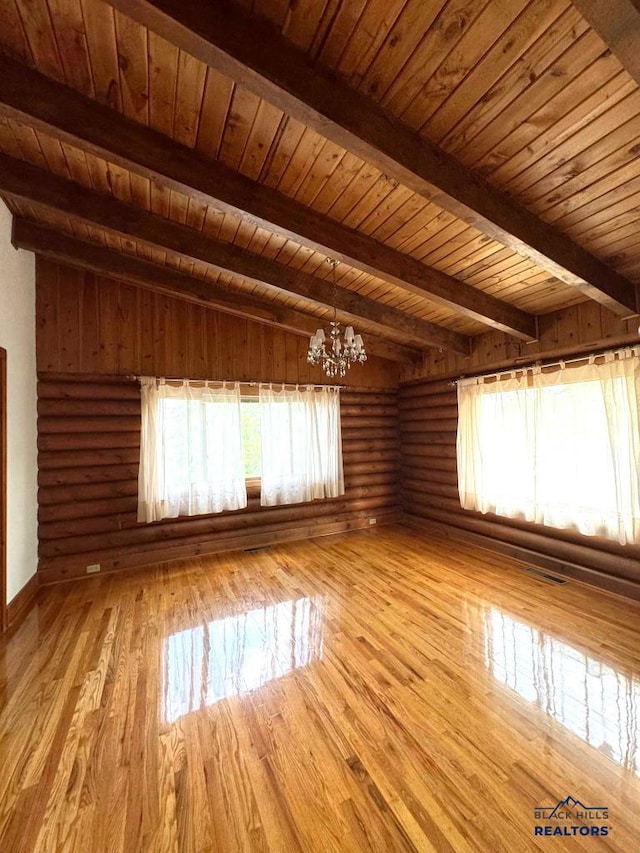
x: 374, y: 691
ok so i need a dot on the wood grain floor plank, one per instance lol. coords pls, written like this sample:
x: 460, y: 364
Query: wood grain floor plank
x: 373, y: 691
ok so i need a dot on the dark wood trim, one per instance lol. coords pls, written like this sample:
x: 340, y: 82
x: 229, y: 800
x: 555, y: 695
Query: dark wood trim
x: 24, y: 182
x: 351, y: 391
x: 100, y: 260
x: 582, y: 574
x: 33, y: 99
x: 254, y: 54
x: 115, y: 379
x: 617, y: 22
x: 4, y: 615
x: 21, y: 604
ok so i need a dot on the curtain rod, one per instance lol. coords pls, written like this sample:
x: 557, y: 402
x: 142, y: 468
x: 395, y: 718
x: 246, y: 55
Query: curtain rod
x: 252, y: 383
x: 541, y: 363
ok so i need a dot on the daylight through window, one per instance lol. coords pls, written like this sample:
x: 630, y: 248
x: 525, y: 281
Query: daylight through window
x: 561, y: 448
x: 201, y: 442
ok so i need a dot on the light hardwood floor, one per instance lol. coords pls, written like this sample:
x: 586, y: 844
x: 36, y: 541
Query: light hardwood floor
x: 372, y: 691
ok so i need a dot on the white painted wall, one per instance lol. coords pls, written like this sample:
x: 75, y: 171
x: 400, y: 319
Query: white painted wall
x: 18, y: 338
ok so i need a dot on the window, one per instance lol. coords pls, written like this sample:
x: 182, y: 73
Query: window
x: 200, y: 443
x: 301, y: 445
x: 191, y: 459
x: 561, y: 448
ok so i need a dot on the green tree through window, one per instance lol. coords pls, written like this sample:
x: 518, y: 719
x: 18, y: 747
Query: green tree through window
x: 250, y: 419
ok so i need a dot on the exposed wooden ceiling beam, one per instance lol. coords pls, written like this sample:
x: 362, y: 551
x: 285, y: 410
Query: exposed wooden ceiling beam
x: 161, y: 279
x: 252, y: 52
x: 30, y: 97
x: 617, y: 22
x: 28, y: 183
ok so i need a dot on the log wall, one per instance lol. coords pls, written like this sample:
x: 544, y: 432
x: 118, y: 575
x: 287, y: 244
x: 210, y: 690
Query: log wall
x: 429, y: 490
x: 89, y: 428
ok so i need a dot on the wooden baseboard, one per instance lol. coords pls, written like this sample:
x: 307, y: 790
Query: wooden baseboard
x: 21, y: 604
x: 583, y: 574
x: 168, y: 553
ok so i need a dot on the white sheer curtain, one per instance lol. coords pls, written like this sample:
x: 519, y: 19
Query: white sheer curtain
x: 301, y: 445
x: 561, y: 448
x: 191, y: 450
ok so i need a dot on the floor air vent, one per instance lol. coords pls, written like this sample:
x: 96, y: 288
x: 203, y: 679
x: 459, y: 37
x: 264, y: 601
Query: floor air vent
x: 543, y: 576
x: 257, y: 548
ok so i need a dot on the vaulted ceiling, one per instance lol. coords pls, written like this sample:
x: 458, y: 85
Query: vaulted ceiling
x: 468, y: 164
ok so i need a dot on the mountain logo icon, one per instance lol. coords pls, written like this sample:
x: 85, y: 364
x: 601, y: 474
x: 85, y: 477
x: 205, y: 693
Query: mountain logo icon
x: 565, y: 809
x: 569, y: 804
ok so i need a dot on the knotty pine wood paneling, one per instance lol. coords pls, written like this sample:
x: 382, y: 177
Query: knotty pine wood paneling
x: 428, y: 413
x: 91, y: 335
x: 90, y: 324
x: 587, y: 327
x: 529, y: 97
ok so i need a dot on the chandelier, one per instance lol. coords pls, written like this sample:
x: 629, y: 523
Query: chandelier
x: 341, y: 353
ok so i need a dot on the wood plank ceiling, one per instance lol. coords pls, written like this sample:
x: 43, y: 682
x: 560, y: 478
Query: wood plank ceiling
x: 469, y: 164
